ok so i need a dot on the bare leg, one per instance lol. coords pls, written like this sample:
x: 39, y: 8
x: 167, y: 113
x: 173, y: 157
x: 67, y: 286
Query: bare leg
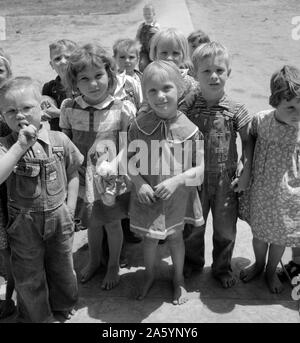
x: 95, y: 237
x: 275, y: 254
x: 260, y: 251
x: 115, y: 239
x: 8, y: 305
x: 177, y: 249
x: 150, y: 247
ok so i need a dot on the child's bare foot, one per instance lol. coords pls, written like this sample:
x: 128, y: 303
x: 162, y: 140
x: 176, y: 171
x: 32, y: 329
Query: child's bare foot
x: 274, y: 283
x: 149, y: 279
x: 227, y: 279
x: 66, y: 314
x: 180, y: 294
x: 111, y: 278
x: 88, y: 272
x: 251, y: 272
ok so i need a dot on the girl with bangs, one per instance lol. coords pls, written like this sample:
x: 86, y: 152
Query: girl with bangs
x: 164, y: 196
x: 93, y: 121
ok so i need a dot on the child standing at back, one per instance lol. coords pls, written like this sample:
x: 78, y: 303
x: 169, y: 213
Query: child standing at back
x: 40, y: 168
x: 92, y: 120
x: 164, y: 195
x: 171, y: 45
x: 60, y: 52
x: 275, y: 188
x: 126, y: 54
x: 219, y: 118
x: 128, y: 86
x: 145, y: 33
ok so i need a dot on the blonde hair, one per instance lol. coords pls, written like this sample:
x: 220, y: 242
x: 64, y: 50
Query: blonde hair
x: 126, y: 44
x: 210, y: 49
x: 86, y: 56
x: 150, y: 7
x: 62, y: 43
x: 170, y: 35
x: 21, y: 82
x: 7, y: 62
x: 163, y: 70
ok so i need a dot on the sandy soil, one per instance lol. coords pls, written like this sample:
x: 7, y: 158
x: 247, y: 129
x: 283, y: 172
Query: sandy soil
x: 258, y: 34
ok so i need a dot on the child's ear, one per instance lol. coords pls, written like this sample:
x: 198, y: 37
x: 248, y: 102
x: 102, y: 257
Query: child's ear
x: 51, y: 64
x: 228, y: 72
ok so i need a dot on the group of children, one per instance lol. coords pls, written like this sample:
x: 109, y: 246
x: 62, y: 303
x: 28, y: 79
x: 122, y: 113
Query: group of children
x: 155, y: 144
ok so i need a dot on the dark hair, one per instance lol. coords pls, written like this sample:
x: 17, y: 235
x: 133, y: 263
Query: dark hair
x: 66, y: 43
x: 86, y: 56
x: 200, y: 35
x: 284, y: 84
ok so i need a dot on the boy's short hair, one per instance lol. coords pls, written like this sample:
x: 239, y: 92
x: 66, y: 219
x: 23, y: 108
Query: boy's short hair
x: 62, y: 43
x: 7, y: 62
x: 86, y: 56
x: 125, y: 45
x: 170, y: 34
x: 284, y: 84
x: 210, y: 49
x: 163, y: 70
x: 150, y: 7
x: 21, y: 82
x: 200, y: 35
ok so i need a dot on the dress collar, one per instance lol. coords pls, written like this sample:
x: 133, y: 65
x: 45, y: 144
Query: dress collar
x: 102, y: 105
x: 177, y: 129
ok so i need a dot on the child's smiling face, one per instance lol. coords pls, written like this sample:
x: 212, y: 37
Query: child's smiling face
x: 162, y: 96
x: 92, y: 83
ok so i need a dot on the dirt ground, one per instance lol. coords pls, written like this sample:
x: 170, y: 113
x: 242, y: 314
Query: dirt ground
x: 258, y: 35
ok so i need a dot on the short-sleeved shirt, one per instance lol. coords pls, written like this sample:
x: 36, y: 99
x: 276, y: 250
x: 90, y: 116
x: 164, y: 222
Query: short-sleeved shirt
x: 57, y: 91
x: 86, y: 122
x: 128, y: 88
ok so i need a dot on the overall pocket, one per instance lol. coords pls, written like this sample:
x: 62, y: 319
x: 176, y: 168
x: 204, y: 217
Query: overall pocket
x: 28, y: 181
x: 54, y: 182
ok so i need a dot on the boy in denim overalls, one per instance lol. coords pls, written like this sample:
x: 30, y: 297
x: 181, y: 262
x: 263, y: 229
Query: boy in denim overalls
x: 219, y: 119
x: 40, y: 170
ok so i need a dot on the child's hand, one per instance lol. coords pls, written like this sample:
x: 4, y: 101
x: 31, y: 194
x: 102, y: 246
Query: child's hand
x: 190, y: 98
x: 240, y: 184
x: 145, y: 194
x: 50, y: 111
x: 165, y: 189
x: 27, y: 136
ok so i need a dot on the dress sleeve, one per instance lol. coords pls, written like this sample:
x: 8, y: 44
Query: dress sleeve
x: 63, y: 119
x: 254, y: 125
x: 197, y: 149
x: 242, y: 117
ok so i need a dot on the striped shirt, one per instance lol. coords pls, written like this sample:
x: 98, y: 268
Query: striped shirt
x: 238, y: 112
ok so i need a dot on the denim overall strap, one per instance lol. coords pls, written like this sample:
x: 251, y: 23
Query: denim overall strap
x: 38, y: 184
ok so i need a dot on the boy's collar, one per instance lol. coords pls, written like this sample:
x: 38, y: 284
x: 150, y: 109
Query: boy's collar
x: 223, y: 102
x: 105, y: 103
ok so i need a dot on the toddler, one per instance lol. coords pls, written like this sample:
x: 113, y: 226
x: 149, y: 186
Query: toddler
x: 40, y: 168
